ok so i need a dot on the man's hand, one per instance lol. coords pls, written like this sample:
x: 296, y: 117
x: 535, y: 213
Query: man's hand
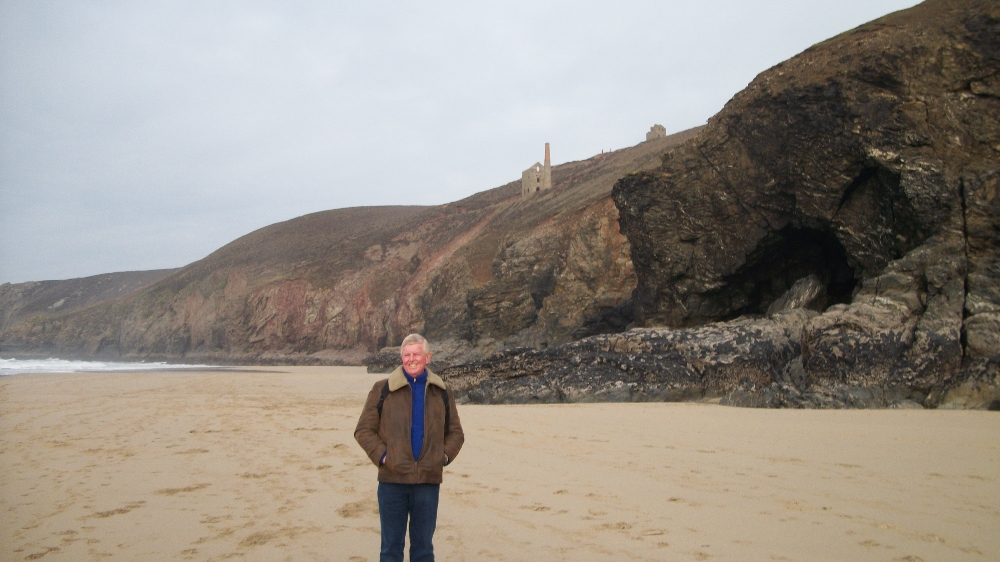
x: 381, y: 461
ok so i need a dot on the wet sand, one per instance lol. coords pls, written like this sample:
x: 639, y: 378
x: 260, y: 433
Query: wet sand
x: 263, y: 465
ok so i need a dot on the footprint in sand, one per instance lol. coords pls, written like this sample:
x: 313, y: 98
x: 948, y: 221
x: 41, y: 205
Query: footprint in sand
x: 175, y: 491
x: 38, y: 555
x: 119, y: 511
x: 257, y: 539
x: 256, y: 474
x: 620, y: 526
x: 358, y: 509
x: 535, y: 507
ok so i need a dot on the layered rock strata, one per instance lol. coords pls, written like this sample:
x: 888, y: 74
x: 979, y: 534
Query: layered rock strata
x: 860, y: 179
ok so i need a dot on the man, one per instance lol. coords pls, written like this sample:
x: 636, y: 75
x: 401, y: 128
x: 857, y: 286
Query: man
x: 410, y: 429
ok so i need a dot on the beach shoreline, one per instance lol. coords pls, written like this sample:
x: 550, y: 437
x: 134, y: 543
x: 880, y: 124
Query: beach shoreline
x: 261, y: 464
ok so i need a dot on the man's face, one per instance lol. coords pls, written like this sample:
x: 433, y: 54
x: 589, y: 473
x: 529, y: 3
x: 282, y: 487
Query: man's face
x: 414, y: 359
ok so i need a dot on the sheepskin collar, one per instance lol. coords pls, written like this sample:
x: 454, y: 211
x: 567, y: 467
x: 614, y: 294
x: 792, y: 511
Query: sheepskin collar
x: 397, y: 380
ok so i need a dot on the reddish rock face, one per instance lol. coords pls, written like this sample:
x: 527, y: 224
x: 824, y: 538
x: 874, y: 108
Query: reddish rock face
x: 489, y: 272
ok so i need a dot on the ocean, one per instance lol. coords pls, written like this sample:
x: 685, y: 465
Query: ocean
x: 24, y: 366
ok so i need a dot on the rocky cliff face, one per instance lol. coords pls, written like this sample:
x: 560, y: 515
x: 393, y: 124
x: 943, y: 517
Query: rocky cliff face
x: 860, y: 180
x: 486, y: 273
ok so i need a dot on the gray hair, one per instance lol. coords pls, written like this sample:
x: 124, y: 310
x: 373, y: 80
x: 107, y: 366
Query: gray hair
x: 413, y: 339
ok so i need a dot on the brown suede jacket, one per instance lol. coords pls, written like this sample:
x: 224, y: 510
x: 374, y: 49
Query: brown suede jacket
x: 391, y: 433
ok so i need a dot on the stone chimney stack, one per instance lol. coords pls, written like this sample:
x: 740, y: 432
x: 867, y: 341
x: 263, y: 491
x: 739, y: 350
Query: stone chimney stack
x: 547, y: 170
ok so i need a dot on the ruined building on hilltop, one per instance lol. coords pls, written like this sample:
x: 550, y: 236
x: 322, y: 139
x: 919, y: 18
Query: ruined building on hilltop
x: 538, y: 177
x: 656, y: 132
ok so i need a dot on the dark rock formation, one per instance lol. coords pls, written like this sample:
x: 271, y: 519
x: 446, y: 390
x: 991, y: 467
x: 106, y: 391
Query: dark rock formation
x: 489, y: 272
x: 653, y: 364
x: 861, y: 179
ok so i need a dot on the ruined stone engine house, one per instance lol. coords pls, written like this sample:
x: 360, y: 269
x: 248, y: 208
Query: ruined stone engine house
x: 538, y: 177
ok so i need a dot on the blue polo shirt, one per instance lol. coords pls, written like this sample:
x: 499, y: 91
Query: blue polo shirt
x: 418, y: 386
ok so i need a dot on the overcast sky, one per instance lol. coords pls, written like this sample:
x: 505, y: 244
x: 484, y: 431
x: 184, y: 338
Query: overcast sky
x: 145, y: 135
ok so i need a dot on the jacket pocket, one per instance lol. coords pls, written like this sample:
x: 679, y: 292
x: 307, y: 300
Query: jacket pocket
x: 394, y: 465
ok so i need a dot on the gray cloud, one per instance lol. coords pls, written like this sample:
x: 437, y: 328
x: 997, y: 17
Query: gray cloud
x: 141, y: 135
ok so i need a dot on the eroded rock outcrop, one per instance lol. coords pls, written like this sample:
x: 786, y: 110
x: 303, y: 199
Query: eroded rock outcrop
x: 652, y: 364
x: 860, y: 179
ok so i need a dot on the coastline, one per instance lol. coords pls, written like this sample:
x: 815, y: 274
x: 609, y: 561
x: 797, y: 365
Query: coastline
x: 53, y: 365
x: 261, y: 464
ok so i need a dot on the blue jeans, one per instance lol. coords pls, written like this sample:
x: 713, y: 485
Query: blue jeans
x: 420, y: 503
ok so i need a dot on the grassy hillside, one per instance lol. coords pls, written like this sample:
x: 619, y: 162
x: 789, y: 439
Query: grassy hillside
x: 492, y: 270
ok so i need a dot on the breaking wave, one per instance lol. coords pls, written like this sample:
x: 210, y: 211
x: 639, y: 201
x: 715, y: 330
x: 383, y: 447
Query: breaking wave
x: 24, y: 366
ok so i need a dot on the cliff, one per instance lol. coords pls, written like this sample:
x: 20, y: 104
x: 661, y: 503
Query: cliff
x: 50, y: 298
x: 831, y: 238
x: 475, y: 276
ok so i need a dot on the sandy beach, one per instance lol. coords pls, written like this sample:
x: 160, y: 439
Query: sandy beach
x: 262, y: 465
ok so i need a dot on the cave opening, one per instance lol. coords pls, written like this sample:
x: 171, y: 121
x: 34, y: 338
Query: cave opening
x: 778, y: 262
